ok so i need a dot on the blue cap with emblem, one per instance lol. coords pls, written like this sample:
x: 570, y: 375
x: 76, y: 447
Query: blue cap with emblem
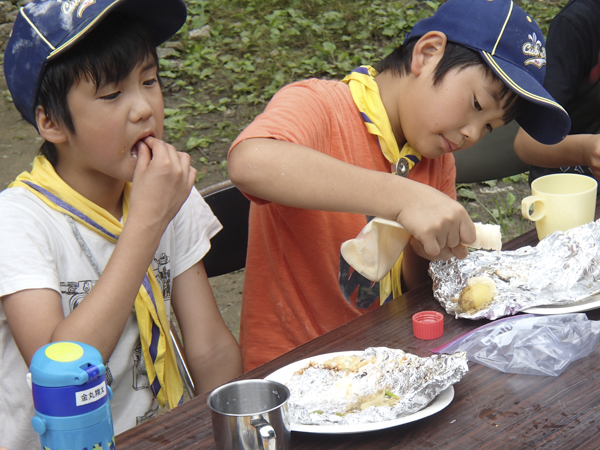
x: 45, y: 29
x: 513, y: 46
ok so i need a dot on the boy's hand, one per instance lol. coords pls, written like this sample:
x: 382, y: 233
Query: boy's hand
x: 460, y: 251
x: 440, y: 226
x: 162, y: 182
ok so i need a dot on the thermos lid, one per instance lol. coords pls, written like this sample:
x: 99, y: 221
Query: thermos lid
x: 62, y: 364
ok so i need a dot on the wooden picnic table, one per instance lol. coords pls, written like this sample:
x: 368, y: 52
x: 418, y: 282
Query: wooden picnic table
x: 490, y: 409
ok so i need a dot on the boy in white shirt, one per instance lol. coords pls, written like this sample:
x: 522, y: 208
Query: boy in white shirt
x: 106, y: 232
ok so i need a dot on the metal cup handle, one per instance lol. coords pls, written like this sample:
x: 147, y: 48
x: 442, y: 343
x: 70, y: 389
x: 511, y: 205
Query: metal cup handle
x: 266, y: 432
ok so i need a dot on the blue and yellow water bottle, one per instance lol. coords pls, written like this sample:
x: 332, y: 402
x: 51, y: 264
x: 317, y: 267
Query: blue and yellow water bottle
x: 71, y: 398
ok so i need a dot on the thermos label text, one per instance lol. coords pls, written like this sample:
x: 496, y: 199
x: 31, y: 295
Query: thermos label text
x: 90, y: 395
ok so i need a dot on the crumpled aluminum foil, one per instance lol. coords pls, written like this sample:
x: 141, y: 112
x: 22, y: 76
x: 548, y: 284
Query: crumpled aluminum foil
x: 318, y: 396
x: 564, y: 268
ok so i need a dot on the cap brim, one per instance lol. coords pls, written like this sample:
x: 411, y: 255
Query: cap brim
x: 542, y: 118
x: 162, y: 18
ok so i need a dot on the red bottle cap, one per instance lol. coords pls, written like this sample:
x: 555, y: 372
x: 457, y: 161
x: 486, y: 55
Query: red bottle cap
x: 428, y: 325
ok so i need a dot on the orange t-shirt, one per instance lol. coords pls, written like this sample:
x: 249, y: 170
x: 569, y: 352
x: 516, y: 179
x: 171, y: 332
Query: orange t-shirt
x: 296, y: 285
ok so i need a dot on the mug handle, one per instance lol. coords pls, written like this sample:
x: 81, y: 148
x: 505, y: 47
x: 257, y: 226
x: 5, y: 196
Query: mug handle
x: 538, y: 211
x: 266, y: 433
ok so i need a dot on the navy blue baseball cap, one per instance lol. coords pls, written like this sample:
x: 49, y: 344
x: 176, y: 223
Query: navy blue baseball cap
x: 45, y: 29
x: 513, y: 46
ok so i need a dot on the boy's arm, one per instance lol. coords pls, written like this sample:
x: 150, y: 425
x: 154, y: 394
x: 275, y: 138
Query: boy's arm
x: 574, y: 150
x: 162, y: 182
x: 211, y: 352
x: 294, y: 175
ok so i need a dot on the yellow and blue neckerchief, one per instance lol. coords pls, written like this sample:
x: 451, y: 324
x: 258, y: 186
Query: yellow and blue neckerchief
x: 157, y: 347
x: 366, y: 96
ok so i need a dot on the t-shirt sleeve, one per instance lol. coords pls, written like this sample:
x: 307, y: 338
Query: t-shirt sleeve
x: 194, y: 226
x: 27, y: 259
x: 297, y: 113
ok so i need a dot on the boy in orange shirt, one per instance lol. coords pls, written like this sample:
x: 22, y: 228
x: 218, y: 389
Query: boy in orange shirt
x: 324, y: 158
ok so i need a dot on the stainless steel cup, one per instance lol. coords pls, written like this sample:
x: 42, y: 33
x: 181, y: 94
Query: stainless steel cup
x: 250, y: 415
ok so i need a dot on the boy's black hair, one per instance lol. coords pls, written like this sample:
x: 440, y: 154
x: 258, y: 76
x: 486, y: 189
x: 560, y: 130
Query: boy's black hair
x: 107, y: 55
x: 455, y: 57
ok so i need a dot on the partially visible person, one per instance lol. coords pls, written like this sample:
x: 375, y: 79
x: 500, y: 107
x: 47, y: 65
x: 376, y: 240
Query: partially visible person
x: 573, y: 79
x: 107, y: 231
x: 325, y: 156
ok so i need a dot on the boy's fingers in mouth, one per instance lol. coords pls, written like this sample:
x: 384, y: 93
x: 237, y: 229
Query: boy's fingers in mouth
x: 139, y: 145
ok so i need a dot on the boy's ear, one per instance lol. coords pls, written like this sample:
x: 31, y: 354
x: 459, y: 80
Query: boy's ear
x: 429, y: 48
x: 49, y: 129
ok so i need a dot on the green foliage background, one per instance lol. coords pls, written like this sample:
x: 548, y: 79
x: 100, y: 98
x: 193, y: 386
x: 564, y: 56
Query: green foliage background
x: 251, y: 48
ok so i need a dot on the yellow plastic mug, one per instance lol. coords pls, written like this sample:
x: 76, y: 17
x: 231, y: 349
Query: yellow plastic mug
x: 560, y: 201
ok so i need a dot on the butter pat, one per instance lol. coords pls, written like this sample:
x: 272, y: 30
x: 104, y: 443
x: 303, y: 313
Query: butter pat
x: 489, y: 237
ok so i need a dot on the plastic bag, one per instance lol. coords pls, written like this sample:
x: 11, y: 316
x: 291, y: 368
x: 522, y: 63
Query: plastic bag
x: 529, y: 344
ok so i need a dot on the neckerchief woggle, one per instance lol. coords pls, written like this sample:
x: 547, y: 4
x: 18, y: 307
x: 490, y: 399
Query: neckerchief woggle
x: 366, y: 96
x: 157, y: 348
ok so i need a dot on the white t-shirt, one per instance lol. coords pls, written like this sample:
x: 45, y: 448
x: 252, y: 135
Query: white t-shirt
x: 38, y: 249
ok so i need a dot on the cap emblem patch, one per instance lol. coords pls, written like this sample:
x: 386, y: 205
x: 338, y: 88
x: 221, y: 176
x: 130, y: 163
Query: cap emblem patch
x: 69, y: 6
x: 535, y: 50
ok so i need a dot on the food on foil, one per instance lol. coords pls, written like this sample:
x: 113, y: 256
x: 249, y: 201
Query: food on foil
x: 372, y: 386
x: 563, y: 269
x: 489, y: 237
x: 477, y: 294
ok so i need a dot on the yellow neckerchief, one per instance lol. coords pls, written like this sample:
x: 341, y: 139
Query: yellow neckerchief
x: 153, y: 324
x: 366, y: 96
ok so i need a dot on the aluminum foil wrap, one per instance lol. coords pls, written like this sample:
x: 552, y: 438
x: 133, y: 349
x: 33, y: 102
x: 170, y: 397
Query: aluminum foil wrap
x: 562, y: 269
x: 324, y: 397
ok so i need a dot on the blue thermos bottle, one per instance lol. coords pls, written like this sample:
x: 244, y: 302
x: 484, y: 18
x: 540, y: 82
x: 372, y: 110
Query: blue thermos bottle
x: 71, y: 398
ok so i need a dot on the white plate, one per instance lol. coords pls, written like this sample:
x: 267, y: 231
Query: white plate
x: 592, y: 302
x: 284, y: 375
